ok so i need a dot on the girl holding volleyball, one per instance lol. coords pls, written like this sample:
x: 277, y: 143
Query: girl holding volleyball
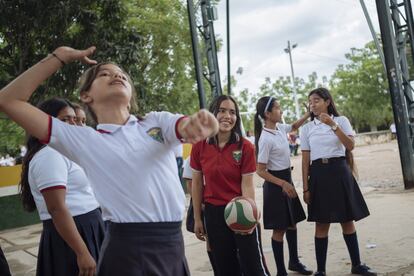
x: 226, y: 162
x: 282, y: 209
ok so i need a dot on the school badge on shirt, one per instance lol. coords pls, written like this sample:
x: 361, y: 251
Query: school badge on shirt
x: 156, y: 134
x: 237, y: 155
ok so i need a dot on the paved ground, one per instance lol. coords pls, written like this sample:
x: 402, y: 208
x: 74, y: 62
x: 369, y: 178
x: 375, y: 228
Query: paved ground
x: 386, y: 237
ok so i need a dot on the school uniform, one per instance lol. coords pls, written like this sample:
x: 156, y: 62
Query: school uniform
x: 334, y: 193
x: 223, y: 170
x: 134, y: 174
x: 279, y: 211
x: 49, y: 170
x: 4, y: 266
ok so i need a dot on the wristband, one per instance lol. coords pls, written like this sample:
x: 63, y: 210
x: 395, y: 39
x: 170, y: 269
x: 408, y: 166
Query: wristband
x: 58, y: 58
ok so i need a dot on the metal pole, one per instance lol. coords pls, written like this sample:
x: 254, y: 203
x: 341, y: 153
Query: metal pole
x: 295, y: 96
x: 395, y: 81
x: 374, y: 35
x: 196, y: 55
x: 228, y: 48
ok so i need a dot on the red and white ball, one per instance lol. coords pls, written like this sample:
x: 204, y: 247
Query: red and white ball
x: 241, y: 214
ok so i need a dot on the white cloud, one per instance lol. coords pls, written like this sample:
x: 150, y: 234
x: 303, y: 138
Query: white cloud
x: 324, y: 29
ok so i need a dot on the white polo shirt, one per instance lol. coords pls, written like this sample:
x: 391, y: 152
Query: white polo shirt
x: 131, y: 167
x: 48, y: 170
x: 321, y: 140
x: 274, y: 148
x: 187, y: 171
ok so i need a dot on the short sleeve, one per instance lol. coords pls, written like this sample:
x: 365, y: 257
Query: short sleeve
x: 285, y: 127
x: 248, y: 161
x: 304, y: 138
x: 48, y: 169
x: 345, y: 125
x: 168, y: 123
x: 187, y: 172
x: 71, y: 141
x: 195, y: 163
x: 264, y: 151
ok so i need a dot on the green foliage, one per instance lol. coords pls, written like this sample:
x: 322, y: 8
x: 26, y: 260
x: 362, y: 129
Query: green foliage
x: 148, y: 38
x: 360, y: 89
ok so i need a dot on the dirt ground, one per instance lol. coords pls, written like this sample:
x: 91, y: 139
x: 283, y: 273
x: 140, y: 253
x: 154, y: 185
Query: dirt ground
x: 386, y: 237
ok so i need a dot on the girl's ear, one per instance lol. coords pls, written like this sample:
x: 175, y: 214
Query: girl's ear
x: 85, y: 98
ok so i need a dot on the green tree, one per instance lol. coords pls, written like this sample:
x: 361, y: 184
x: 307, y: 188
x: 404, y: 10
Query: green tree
x: 360, y: 89
x: 148, y: 38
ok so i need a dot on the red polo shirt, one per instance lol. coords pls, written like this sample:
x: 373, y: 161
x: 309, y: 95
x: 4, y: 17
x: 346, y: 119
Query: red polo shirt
x: 223, y: 169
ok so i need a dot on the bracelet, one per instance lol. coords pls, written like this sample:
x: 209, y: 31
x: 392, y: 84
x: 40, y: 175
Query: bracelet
x: 306, y: 191
x: 58, y: 58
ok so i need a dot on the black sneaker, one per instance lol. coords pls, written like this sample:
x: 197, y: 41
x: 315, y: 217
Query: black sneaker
x: 363, y: 269
x: 300, y: 268
x: 320, y: 273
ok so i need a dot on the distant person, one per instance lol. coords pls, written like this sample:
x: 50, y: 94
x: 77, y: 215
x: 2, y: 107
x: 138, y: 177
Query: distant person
x: 293, y: 143
x: 330, y: 189
x: 393, y: 130
x: 4, y: 266
x: 80, y: 115
x: 250, y: 137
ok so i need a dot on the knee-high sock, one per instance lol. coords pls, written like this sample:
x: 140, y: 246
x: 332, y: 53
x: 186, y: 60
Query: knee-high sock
x: 321, y: 249
x: 292, y: 240
x: 279, y: 259
x: 351, y: 241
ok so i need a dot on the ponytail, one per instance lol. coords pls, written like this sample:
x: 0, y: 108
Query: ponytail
x: 33, y: 146
x: 52, y: 107
x: 258, y: 127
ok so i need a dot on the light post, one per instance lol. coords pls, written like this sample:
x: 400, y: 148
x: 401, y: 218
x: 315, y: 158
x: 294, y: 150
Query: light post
x: 295, y: 95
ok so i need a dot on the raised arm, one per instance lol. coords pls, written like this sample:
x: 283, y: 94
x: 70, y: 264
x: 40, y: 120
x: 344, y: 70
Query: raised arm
x: 300, y: 122
x: 14, y: 97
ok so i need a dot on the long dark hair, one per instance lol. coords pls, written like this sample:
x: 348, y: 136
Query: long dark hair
x: 260, y: 116
x: 236, y: 133
x: 52, y: 107
x: 326, y: 95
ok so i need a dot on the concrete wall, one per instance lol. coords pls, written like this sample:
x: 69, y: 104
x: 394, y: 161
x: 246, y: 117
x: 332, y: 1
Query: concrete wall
x: 376, y: 137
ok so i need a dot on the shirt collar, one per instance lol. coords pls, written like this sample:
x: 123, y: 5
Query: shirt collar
x: 317, y: 122
x: 271, y: 131
x: 110, y: 128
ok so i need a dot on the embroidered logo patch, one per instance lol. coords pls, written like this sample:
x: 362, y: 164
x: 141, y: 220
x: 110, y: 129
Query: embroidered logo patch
x: 156, y: 134
x: 237, y: 155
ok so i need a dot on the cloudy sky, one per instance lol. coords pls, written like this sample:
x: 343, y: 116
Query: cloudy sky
x: 325, y: 30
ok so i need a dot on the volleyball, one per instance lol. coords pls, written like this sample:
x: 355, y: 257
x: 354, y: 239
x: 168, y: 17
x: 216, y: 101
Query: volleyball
x: 241, y: 214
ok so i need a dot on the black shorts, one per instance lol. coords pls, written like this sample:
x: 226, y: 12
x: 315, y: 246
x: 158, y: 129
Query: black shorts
x: 279, y: 210
x: 334, y: 193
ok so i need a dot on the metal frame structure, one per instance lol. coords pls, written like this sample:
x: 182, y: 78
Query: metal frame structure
x: 206, y: 11
x: 397, y: 34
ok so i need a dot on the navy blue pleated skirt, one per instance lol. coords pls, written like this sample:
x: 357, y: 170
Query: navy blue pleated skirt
x: 334, y: 193
x: 56, y: 257
x: 279, y: 210
x: 141, y: 249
